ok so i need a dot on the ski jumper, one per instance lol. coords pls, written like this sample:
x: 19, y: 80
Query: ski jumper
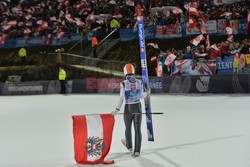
x: 131, y: 90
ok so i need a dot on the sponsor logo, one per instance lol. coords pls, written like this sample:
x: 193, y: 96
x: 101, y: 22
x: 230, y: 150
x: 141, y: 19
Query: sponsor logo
x: 224, y: 65
x: 111, y: 83
x: 25, y: 88
x: 95, y: 146
x: 202, y: 84
x: 155, y: 84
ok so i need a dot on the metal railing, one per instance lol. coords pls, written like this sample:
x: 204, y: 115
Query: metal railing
x: 112, y: 67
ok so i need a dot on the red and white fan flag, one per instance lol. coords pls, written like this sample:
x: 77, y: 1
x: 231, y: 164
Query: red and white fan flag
x: 208, y: 42
x: 26, y: 32
x: 158, y: 69
x: 192, y: 22
x: 187, y: 6
x: 201, y: 54
x: 130, y: 2
x: 70, y: 18
x: 112, y: 2
x: 202, y: 29
x: 9, y: 24
x: 154, y: 45
x: 193, y: 11
x: 197, y: 40
x: 60, y: 35
x: 177, y: 11
x: 92, y: 138
x: 215, y: 47
x: 248, y: 24
x: 170, y: 59
x: 153, y: 58
x: 229, y: 31
x: 43, y: 25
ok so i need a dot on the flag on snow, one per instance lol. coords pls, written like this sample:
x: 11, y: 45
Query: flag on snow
x: 92, y: 138
x: 170, y: 59
x: 197, y: 40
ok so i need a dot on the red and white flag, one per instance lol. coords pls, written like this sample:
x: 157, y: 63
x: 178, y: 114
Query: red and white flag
x: 170, y: 59
x: 248, y: 24
x: 9, y: 24
x: 202, y: 29
x: 43, y: 25
x: 229, y: 31
x: 154, y: 45
x: 158, y: 69
x: 192, y: 22
x: 187, y: 6
x: 92, y: 138
x: 215, y: 47
x: 197, y: 40
x: 79, y: 22
x: 130, y: 2
x: 153, y: 58
x: 208, y: 42
x: 177, y: 11
x: 26, y: 32
x: 193, y: 11
x: 60, y: 35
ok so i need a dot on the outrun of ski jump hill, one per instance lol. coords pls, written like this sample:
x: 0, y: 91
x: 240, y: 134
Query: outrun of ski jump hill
x: 195, y: 131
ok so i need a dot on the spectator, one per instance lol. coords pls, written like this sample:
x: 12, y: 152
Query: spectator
x: 94, y: 45
x: 189, y: 53
x: 225, y: 50
x: 22, y: 54
x: 113, y: 25
x: 62, y: 76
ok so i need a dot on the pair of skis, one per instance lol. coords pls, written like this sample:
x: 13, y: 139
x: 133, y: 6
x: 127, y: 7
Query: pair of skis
x: 145, y: 80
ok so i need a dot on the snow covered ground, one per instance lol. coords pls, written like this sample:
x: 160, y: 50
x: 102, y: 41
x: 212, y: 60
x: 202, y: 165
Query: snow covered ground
x: 195, y: 131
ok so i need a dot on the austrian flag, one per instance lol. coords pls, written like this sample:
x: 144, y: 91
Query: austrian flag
x: 197, y: 40
x: 92, y: 138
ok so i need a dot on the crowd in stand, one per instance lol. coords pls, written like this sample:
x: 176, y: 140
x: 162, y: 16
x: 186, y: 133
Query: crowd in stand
x: 48, y: 18
x: 200, y: 53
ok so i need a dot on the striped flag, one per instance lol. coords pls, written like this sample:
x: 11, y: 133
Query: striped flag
x: 208, y: 42
x: 92, y: 138
x: 193, y: 11
x: 229, y: 31
x: 170, y: 59
x: 197, y: 40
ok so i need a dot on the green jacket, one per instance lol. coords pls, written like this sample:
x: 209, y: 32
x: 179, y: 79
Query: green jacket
x: 22, y: 52
x: 114, y: 24
x: 62, y: 74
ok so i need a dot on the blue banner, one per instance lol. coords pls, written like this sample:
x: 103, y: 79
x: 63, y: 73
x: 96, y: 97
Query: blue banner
x: 130, y: 34
x: 225, y: 66
x: 37, y: 41
x: 242, y: 26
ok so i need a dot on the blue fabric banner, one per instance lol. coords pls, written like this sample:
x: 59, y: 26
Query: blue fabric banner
x: 225, y: 66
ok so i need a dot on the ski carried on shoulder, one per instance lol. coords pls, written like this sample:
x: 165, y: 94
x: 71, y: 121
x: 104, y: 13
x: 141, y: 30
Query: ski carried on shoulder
x: 145, y: 81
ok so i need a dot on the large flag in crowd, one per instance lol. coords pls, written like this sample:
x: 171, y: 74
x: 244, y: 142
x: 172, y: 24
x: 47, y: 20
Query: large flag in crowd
x: 92, y: 138
x: 197, y: 40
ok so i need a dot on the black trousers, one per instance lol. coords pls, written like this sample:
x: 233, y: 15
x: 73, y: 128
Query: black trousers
x: 130, y: 118
x: 94, y: 52
x: 63, y: 87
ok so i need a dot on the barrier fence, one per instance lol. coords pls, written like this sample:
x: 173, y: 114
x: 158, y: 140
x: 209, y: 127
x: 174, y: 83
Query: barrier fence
x: 166, y: 85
